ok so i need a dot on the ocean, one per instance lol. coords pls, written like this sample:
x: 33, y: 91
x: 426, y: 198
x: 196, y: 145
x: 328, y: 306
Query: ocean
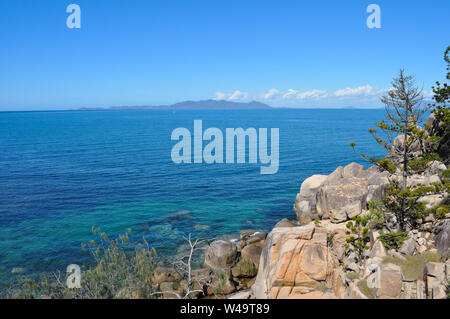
x: 62, y: 172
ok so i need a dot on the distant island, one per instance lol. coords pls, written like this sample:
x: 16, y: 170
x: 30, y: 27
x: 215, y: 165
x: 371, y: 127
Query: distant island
x: 193, y: 105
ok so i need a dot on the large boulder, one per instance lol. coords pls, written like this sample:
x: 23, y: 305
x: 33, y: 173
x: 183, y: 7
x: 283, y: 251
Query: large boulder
x: 442, y: 238
x: 397, y: 149
x: 296, y: 261
x: 341, y: 195
x: 390, y: 282
x: 285, y: 223
x: 305, y: 203
x: 220, y: 254
x: 408, y: 247
x: 251, y: 253
x: 163, y: 274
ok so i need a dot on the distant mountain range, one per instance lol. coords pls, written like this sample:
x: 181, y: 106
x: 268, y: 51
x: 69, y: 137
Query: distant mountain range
x: 192, y: 105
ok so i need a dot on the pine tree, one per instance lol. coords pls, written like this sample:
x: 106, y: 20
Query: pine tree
x: 404, y: 114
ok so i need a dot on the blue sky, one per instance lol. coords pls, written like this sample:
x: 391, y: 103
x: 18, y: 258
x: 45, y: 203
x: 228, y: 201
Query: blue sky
x: 153, y: 52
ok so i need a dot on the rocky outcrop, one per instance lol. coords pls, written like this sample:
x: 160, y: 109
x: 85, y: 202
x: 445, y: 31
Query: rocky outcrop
x: 341, y: 195
x: 297, y: 261
x: 437, y: 128
x: 310, y: 262
x: 442, y: 238
x: 220, y: 254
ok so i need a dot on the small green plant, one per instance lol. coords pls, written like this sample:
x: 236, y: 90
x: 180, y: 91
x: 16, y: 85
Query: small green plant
x: 317, y: 222
x: 330, y: 236
x: 430, y: 256
x: 221, y: 279
x: 114, y: 273
x: 439, y: 211
x: 247, y: 268
x: 352, y: 275
x: 358, y: 235
x: 377, y: 217
x: 419, y: 164
x: 322, y: 287
x: 446, y: 173
x: 413, y: 266
x: 387, y: 165
x: 393, y: 240
x: 364, y: 288
x: 405, y: 204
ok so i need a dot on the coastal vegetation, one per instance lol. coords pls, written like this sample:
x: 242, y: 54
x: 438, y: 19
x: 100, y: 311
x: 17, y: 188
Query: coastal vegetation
x: 382, y: 216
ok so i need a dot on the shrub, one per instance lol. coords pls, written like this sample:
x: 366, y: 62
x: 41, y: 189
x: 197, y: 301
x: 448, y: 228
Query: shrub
x: 113, y: 274
x: 446, y: 173
x: 247, y: 268
x: 419, y: 164
x: 413, y: 266
x: 330, y: 236
x: 377, y: 217
x: 364, y: 288
x: 393, y: 240
x: 430, y: 256
x: 358, y: 235
x: 322, y: 287
x: 352, y: 275
x: 387, y: 165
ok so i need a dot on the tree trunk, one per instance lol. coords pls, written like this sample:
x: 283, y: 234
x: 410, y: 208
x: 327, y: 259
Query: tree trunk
x: 405, y: 167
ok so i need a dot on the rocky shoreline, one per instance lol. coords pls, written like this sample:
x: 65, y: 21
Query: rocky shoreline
x: 308, y: 258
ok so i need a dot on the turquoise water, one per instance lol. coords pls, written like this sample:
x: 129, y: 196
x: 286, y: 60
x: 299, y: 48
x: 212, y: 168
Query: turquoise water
x: 63, y: 172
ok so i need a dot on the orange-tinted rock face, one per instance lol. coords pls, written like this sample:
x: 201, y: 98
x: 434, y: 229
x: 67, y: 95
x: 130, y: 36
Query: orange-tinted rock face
x: 295, y: 263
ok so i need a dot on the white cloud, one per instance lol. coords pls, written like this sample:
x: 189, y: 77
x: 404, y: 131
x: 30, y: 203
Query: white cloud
x: 290, y: 94
x: 313, y: 94
x: 220, y: 96
x: 271, y: 94
x: 238, y: 95
x: 235, y: 96
x: 361, y: 96
x: 365, y: 90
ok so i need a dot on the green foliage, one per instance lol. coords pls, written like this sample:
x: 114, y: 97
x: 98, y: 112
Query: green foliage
x: 393, y: 240
x: 221, y: 279
x: 404, y: 112
x: 446, y: 173
x: 387, y: 165
x: 430, y: 256
x: 442, y: 98
x: 113, y: 274
x: 377, y: 217
x: 440, y: 211
x: 330, y: 236
x: 352, y: 275
x: 413, y: 266
x: 364, y: 288
x: 247, y: 268
x: 419, y: 164
x: 405, y: 204
x: 358, y: 235
x: 322, y: 287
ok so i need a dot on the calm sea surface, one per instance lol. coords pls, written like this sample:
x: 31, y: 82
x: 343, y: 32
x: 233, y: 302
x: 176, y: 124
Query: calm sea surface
x: 63, y: 172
